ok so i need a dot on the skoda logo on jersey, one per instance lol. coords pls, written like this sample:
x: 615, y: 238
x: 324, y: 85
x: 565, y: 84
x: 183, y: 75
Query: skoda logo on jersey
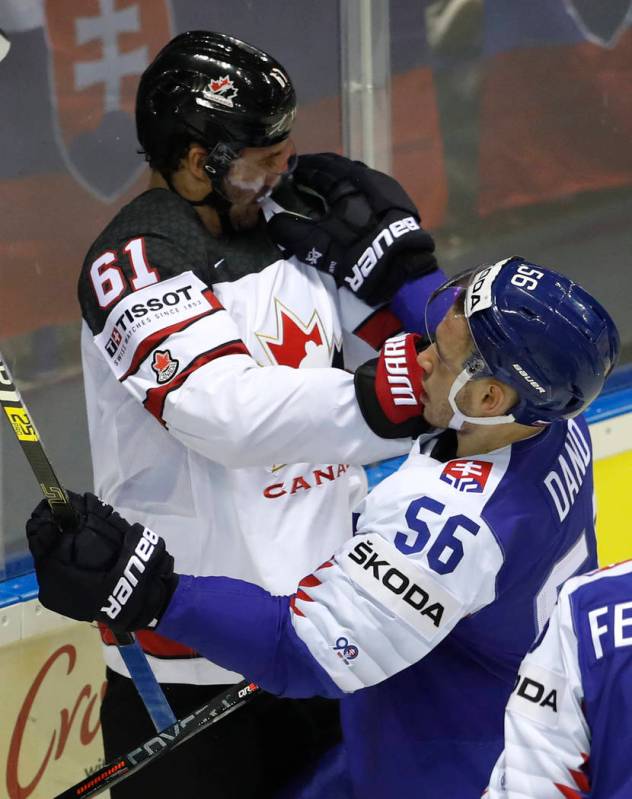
x: 467, y: 476
x: 536, y: 692
x: 97, y: 53
x: 396, y: 582
x: 164, y: 366
x: 600, y: 22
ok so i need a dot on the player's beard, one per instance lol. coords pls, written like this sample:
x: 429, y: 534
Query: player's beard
x: 245, y: 198
x: 245, y: 216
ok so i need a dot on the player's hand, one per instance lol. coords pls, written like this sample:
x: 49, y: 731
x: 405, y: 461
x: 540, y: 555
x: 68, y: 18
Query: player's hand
x: 389, y: 389
x: 106, y: 570
x: 370, y: 239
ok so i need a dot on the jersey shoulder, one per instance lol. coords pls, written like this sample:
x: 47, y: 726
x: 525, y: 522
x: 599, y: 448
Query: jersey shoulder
x: 176, y: 233
x: 614, y: 580
x: 460, y: 485
x: 600, y: 608
x: 423, y: 513
x: 159, y: 236
x: 155, y: 237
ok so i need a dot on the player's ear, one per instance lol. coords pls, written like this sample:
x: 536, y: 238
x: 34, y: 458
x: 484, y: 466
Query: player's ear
x: 194, y: 160
x: 495, y: 397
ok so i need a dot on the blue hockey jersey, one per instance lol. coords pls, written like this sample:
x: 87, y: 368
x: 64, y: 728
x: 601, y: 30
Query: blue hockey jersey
x: 568, y: 731
x: 420, y: 621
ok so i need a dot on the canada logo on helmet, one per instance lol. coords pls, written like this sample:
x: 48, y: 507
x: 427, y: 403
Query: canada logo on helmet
x: 222, y: 91
x: 98, y: 51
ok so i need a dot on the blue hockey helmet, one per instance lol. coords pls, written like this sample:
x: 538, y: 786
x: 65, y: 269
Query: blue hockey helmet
x: 534, y: 329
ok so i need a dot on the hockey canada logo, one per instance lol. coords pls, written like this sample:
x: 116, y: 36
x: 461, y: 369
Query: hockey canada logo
x: 467, y: 476
x: 164, y: 366
x: 221, y: 90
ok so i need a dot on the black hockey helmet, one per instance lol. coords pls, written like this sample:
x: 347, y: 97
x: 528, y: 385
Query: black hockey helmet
x: 214, y: 89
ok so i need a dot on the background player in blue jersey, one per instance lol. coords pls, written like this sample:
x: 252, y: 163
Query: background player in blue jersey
x: 420, y: 621
x: 568, y: 731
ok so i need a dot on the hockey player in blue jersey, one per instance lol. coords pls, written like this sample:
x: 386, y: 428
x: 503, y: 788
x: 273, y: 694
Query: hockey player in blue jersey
x: 568, y: 731
x: 420, y: 621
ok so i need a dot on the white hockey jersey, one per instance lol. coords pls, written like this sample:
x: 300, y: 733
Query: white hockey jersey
x: 244, y: 471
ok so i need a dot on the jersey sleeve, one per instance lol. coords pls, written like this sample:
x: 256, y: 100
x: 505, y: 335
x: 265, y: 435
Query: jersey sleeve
x: 359, y: 618
x: 547, y: 740
x: 173, y: 346
x: 396, y: 590
x: 365, y: 329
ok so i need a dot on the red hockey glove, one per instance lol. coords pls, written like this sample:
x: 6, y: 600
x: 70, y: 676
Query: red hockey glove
x: 388, y: 389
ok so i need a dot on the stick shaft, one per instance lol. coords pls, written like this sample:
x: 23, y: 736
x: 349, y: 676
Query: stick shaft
x: 144, y: 755
x: 26, y: 433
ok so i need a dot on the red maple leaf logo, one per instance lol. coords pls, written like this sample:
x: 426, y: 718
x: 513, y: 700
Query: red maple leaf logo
x: 222, y: 83
x: 291, y: 345
x: 161, y: 360
x: 164, y: 365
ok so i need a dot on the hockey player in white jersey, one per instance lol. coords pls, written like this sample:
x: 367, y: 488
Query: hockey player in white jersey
x: 247, y: 471
x: 568, y: 731
x: 420, y: 621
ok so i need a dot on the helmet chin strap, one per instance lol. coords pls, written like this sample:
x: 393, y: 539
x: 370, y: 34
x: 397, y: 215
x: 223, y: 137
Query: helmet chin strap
x: 458, y: 418
x: 214, y: 199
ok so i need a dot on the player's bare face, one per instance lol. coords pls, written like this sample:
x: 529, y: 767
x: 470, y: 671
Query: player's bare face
x: 257, y: 172
x: 441, y: 362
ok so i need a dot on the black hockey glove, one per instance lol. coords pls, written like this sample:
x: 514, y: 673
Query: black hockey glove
x: 107, y: 570
x: 389, y: 388
x: 369, y: 239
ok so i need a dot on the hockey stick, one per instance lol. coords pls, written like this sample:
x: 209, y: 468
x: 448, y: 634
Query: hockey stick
x: 25, y: 431
x: 123, y: 767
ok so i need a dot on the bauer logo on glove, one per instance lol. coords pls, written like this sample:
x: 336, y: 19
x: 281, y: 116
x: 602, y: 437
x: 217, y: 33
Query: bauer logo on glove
x: 370, y: 257
x: 104, y: 570
x: 128, y: 581
x: 369, y: 237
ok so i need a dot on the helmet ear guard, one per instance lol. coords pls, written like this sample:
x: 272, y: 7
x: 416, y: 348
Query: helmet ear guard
x: 219, y: 159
